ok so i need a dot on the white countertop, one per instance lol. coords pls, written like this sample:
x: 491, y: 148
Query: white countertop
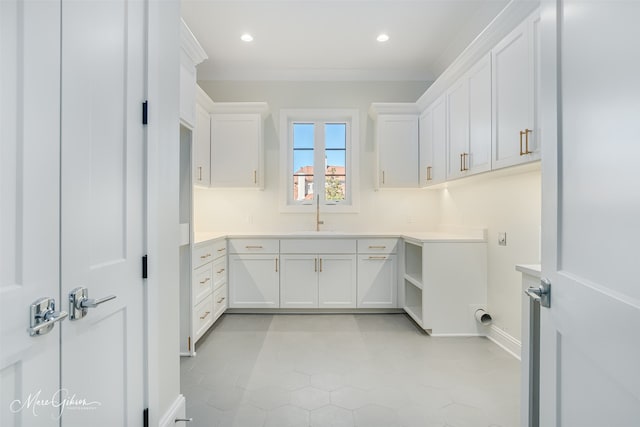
x: 534, y: 270
x: 468, y: 236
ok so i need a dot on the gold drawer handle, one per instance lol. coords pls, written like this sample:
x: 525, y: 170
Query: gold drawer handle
x: 202, y: 282
x: 377, y: 247
x: 377, y: 257
x: 253, y: 247
x: 205, y: 315
x: 221, y: 299
x: 205, y: 256
x: 223, y: 249
x: 220, y: 271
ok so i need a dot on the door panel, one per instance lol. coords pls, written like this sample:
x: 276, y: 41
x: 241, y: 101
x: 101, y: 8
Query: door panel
x: 458, y: 127
x: 29, y: 207
x: 102, y: 206
x: 337, y: 281
x: 254, y: 281
x: 299, y: 281
x: 591, y: 202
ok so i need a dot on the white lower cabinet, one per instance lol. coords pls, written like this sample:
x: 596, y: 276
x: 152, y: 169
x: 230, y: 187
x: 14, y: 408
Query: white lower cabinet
x: 318, y: 281
x: 377, y: 281
x: 254, y: 281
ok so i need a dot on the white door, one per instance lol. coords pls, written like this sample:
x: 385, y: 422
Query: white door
x: 29, y: 207
x: 254, y: 281
x: 102, y: 211
x: 458, y: 128
x: 479, y: 78
x: 299, y: 281
x: 591, y: 205
x: 236, y: 150
x: 337, y: 281
x: 439, y: 138
x: 397, y: 139
x: 377, y: 278
x: 425, y: 127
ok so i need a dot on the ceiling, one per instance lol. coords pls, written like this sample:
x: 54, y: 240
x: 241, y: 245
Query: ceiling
x: 334, y: 39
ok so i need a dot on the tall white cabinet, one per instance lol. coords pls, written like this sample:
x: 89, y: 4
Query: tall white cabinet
x: 515, y: 69
x: 237, y: 146
x: 433, y: 142
x: 202, y: 139
x: 469, y: 122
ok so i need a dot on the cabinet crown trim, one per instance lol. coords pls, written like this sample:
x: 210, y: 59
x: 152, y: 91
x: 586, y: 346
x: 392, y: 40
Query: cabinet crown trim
x: 261, y: 108
x: 190, y: 45
x: 378, y: 108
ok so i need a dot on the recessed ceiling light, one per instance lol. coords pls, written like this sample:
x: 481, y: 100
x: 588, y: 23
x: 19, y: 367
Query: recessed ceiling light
x: 382, y: 38
x: 246, y: 37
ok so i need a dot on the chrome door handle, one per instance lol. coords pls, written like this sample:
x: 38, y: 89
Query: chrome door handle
x: 542, y: 293
x: 79, y: 302
x: 44, y: 316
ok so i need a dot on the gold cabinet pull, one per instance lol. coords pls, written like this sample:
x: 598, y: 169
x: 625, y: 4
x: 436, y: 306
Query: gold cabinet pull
x: 220, y: 271
x: 315, y: 265
x: 461, y: 162
x: 222, y: 249
x: 255, y: 176
x: 377, y: 257
x: 320, y: 265
x: 220, y: 300
x: 465, y: 161
x: 204, y: 316
x: 253, y: 247
x: 199, y: 173
x: 383, y: 177
x: 429, y: 173
x: 205, y: 256
x: 526, y: 141
x: 202, y: 282
x: 377, y: 247
x: 276, y: 264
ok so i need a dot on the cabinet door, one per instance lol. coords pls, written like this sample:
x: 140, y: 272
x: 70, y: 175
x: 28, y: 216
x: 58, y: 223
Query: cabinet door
x: 458, y: 128
x: 433, y: 144
x: 397, y: 139
x: 337, y: 281
x: 299, y: 281
x: 426, y: 147
x: 439, y: 137
x: 202, y: 151
x: 479, y: 81
x: 254, y: 281
x: 377, y: 281
x: 512, y: 98
x: 236, y: 150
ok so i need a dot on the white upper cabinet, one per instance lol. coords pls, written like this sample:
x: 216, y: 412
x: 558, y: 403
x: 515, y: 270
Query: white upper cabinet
x: 433, y: 141
x: 469, y: 122
x: 202, y: 140
x: 515, y: 64
x: 237, y: 154
x: 191, y: 54
x: 397, y: 145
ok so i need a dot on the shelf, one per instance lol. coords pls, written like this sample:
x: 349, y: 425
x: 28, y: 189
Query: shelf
x: 411, y: 311
x: 414, y: 281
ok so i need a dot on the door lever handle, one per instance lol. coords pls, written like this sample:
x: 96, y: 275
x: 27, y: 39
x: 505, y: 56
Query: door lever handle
x: 79, y: 302
x: 541, y: 294
x: 43, y: 316
x: 92, y: 303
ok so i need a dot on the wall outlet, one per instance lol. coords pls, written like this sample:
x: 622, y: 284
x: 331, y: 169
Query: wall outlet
x: 502, y: 239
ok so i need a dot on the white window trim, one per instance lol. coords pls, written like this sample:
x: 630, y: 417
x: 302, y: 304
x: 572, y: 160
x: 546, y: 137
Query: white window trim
x: 287, y: 117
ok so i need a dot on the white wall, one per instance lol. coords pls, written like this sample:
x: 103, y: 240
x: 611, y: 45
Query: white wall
x: 163, y: 142
x: 249, y: 210
x: 501, y: 203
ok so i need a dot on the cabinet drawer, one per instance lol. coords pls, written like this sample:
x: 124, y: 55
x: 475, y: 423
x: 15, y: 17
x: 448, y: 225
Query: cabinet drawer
x: 202, y: 254
x: 219, y: 272
x: 203, y: 316
x: 254, y: 246
x: 219, y: 248
x: 318, y: 246
x: 377, y: 246
x: 220, y: 302
x: 202, y: 282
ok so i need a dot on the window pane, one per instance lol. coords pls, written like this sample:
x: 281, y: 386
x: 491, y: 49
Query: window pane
x: 302, y: 162
x: 303, y: 135
x: 335, y: 135
x: 336, y: 159
x: 335, y: 188
x: 302, y: 188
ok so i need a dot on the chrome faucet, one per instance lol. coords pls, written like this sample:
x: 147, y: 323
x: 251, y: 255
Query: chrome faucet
x: 318, y: 222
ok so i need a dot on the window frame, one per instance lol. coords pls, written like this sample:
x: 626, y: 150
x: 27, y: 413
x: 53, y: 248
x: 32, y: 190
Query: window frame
x: 320, y: 116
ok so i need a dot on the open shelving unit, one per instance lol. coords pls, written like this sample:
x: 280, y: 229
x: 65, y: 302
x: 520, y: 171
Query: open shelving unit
x: 413, y: 282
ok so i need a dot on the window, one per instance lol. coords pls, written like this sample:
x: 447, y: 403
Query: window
x: 318, y: 161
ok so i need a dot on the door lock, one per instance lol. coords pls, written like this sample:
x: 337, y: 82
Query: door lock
x: 79, y: 302
x: 44, y: 316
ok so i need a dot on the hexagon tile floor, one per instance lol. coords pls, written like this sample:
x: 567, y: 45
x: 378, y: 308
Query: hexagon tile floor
x: 346, y: 370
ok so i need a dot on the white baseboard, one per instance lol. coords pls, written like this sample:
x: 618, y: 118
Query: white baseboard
x: 176, y: 410
x: 506, y: 341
